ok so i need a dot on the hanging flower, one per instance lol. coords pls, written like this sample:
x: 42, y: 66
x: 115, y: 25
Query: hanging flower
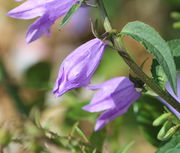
x: 168, y: 87
x: 78, y: 68
x: 47, y: 10
x: 114, y: 97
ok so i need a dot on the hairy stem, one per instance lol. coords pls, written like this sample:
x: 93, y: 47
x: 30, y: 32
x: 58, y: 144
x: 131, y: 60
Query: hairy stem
x: 130, y: 62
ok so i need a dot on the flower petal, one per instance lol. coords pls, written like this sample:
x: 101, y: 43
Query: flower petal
x: 38, y: 28
x: 115, y: 96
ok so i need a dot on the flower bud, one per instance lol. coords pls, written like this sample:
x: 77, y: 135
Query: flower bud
x: 167, y: 125
x: 171, y: 132
x: 78, y: 68
x: 161, y: 119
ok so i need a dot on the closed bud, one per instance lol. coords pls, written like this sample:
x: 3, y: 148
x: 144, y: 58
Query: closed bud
x: 79, y: 66
x: 167, y: 125
x: 161, y: 119
x: 171, y: 132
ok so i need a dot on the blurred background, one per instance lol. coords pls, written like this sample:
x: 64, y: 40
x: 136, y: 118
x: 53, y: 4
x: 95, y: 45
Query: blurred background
x: 28, y: 73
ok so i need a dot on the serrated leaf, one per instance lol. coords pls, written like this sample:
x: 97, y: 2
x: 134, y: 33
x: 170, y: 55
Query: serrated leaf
x: 173, y: 146
x: 69, y: 14
x: 175, y: 49
x: 155, y: 45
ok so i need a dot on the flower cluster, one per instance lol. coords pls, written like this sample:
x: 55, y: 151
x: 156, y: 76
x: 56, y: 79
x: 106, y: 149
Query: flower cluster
x: 115, y: 96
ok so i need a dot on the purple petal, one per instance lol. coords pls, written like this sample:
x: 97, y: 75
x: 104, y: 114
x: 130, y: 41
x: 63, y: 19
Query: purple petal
x: 38, y: 28
x: 168, y: 87
x: 49, y: 10
x: 117, y: 111
x: 29, y: 9
x: 107, y: 116
x: 111, y: 92
x: 114, y: 97
x: 78, y: 68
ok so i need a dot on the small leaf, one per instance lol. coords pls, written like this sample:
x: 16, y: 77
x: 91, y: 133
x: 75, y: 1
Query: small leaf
x: 69, y: 14
x: 158, y: 73
x: 80, y: 132
x: 155, y: 45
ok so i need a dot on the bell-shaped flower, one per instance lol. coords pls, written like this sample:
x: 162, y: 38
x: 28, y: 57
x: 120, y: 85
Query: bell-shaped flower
x: 47, y: 10
x: 114, y: 97
x: 79, y: 66
x: 169, y: 89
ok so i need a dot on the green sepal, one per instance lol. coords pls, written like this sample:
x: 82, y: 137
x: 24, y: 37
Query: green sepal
x: 70, y: 13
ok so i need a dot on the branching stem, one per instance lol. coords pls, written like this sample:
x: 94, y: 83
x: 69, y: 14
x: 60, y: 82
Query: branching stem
x: 130, y: 62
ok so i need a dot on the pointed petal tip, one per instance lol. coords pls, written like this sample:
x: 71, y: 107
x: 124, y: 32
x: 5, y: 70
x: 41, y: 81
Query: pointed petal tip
x: 99, y: 125
x: 87, y: 108
x: 10, y: 14
x: 57, y: 93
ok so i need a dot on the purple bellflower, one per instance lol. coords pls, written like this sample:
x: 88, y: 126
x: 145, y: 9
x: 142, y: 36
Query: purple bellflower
x: 168, y: 87
x: 79, y: 66
x: 114, y: 97
x: 47, y: 10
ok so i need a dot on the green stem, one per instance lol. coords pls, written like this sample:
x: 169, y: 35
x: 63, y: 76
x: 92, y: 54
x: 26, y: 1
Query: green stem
x: 134, y: 67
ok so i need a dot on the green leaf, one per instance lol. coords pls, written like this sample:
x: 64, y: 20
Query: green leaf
x: 155, y: 45
x: 158, y: 73
x: 69, y: 14
x: 173, y: 146
x: 79, y: 131
x: 175, y: 49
